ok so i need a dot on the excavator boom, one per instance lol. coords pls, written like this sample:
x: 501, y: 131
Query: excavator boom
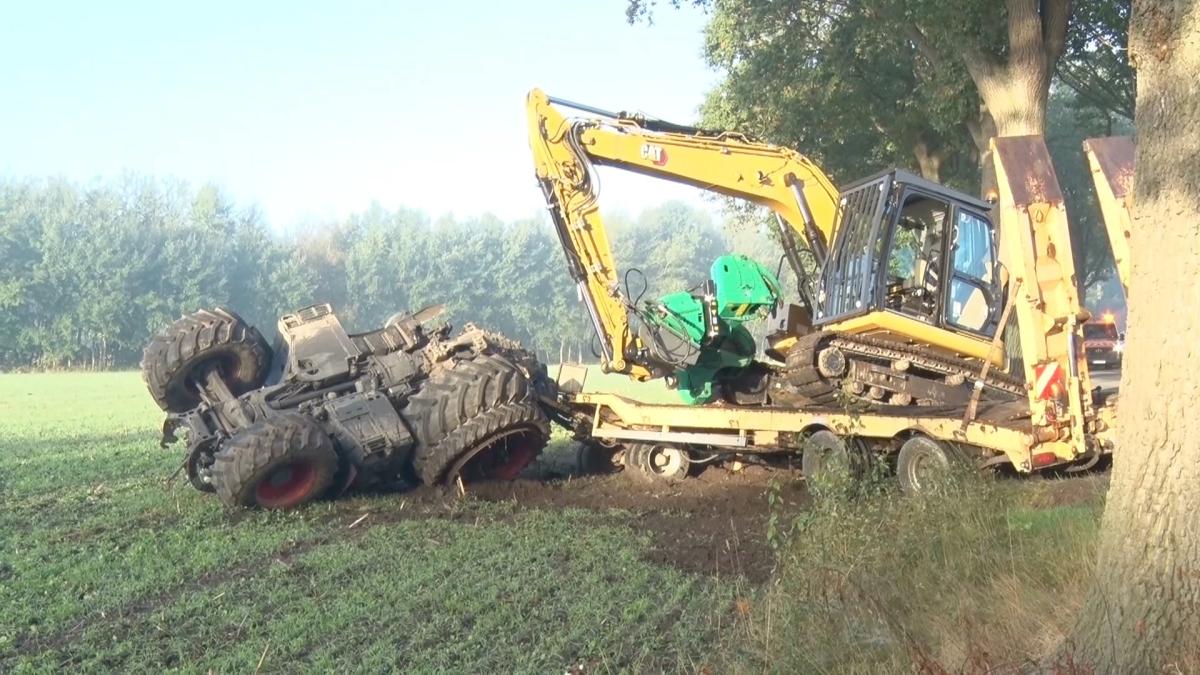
x: 566, y: 151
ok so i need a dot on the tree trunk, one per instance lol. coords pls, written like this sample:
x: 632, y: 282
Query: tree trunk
x: 929, y: 160
x: 1014, y: 92
x: 1143, y: 611
x: 982, y: 129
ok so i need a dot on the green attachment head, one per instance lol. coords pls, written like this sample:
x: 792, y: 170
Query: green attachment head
x: 746, y: 290
x: 682, y: 313
x: 702, y: 337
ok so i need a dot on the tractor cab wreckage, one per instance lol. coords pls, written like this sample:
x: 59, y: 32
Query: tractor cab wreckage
x: 325, y: 409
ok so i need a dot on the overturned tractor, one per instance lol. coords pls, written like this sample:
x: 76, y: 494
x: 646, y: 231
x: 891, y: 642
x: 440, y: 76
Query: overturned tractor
x: 325, y: 410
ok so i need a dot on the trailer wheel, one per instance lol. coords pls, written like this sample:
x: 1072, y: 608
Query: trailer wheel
x: 826, y: 461
x: 658, y: 462
x: 599, y: 457
x: 277, y: 463
x: 922, y: 464
x: 183, y: 351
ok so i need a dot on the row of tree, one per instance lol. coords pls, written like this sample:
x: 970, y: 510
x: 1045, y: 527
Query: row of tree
x: 87, y: 274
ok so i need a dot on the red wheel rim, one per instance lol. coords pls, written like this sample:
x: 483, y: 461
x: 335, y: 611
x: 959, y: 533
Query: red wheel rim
x: 503, y: 457
x: 286, y: 486
x: 512, y: 463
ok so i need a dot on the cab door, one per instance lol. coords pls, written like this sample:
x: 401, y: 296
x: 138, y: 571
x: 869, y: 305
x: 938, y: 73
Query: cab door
x: 973, y: 295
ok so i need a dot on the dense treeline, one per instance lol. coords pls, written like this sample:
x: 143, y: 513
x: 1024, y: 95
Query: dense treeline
x: 88, y: 273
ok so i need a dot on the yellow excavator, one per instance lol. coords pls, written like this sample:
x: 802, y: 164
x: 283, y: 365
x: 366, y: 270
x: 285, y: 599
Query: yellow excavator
x: 919, y: 326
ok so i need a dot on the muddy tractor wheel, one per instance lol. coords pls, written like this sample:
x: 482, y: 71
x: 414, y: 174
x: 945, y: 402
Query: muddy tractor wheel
x: 475, y: 403
x: 276, y: 463
x: 496, y: 445
x: 657, y: 462
x: 923, y: 464
x: 180, y: 355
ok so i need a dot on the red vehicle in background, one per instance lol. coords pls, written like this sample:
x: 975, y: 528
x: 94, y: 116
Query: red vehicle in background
x: 1102, y: 343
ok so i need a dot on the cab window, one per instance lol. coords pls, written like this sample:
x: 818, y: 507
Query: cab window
x: 973, y: 288
x: 1099, y: 331
x: 914, y: 262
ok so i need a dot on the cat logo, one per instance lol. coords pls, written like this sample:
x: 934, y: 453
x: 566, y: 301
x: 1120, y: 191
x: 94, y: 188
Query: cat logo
x: 654, y: 153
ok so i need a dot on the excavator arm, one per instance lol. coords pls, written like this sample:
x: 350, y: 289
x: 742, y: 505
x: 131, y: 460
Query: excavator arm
x: 566, y: 151
x: 1111, y: 162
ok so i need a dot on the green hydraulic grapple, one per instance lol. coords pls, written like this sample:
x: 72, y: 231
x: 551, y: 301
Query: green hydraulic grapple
x: 702, y: 337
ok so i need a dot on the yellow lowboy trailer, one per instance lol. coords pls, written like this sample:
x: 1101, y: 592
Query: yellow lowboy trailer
x: 675, y: 432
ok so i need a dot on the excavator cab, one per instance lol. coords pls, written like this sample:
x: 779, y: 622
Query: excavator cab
x: 913, y: 249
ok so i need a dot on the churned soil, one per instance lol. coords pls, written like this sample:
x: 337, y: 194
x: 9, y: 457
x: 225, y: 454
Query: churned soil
x: 712, y: 523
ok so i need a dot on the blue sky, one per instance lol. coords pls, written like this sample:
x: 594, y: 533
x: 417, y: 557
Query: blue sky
x: 315, y: 109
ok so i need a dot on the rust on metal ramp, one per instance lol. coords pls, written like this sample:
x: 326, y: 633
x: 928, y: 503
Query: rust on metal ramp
x: 1027, y: 164
x: 1113, y: 157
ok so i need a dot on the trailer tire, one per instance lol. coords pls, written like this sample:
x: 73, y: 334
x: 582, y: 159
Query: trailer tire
x: 657, y: 462
x: 826, y: 462
x: 180, y: 352
x: 598, y: 458
x: 276, y: 463
x: 922, y: 464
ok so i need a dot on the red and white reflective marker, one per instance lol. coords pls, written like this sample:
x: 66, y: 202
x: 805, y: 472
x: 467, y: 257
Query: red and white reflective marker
x: 1048, y: 376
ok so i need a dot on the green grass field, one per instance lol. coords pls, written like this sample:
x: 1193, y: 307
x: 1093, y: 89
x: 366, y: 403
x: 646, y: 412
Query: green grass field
x: 104, y: 566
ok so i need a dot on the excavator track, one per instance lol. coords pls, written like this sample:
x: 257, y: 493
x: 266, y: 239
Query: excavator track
x: 823, y: 366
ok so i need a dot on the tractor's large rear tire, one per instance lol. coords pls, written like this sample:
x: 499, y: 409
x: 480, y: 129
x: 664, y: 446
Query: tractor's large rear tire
x: 464, y: 404
x: 280, y: 462
x: 497, y: 444
x: 180, y: 353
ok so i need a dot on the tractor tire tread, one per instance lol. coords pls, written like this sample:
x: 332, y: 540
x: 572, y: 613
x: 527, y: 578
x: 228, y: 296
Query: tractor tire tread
x: 249, y: 456
x: 454, y: 395
x: 172, y: 354
x: 433, y: 463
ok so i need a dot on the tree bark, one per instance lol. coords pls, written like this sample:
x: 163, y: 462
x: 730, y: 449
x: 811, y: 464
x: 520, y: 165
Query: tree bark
x: 1015, y: 90
x: 982, y: 129
x: 1013, y: 93
x: 1142, y: 613
x: 929, y: 160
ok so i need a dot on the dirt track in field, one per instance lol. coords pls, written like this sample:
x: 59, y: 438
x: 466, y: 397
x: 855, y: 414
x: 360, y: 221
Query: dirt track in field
x: 714, y: 523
